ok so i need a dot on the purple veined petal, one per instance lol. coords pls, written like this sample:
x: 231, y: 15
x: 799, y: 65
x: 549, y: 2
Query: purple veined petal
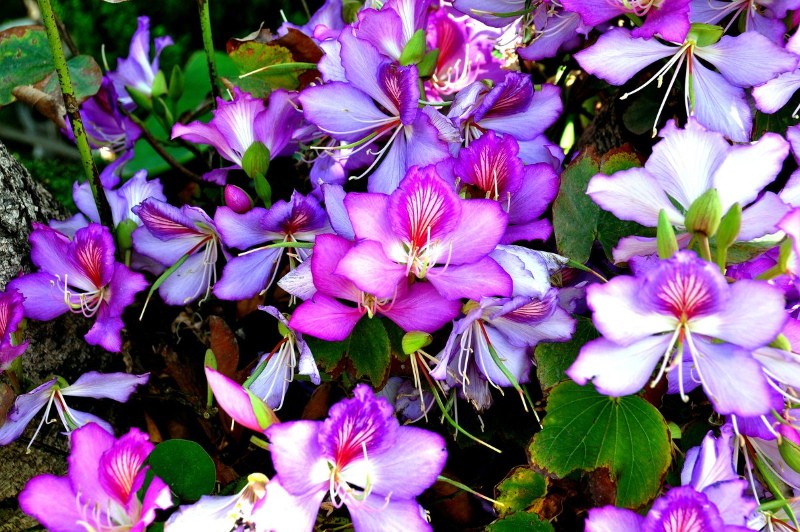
x: 481, y: 226
x: 733, y: 505
x: 329, y: 250
x: 561, y: 30
x: 273, y: 381
x: 613, y: 519
x: 720, y: 106
x: 242, y: 231
x: 594, y: 12
x: 752, y: 317
x: 491, y: 164
x: 685, y: 160
x: 476, y: 280
x: 219, y: 176
x: 711, y: 462
x: 670, y: 21
x: 132, y: 193
x: 723, y: 368
x: 81, y: 418
x: 616, y: 56
x: 558, y: 327
x: 541, y: 150
x: 280, y: 511
x: 299, y: 282
x: 120, y: 467
x: 49, y: 249
x: 426, y: 139
x: 122, y: 289
x: 514, y: 357
x: 177, y: 240
x: 633, y: 195
x: 383, y: 29
x: 87, y: 446
x: 782, y: 366
x: 233, y: 399
x: 730, y: 180
x: 11, y: 314
x: 762, y: 217
x: 421, y: 309
x: 775, y: 93
x: 542, y: 110
x: 209, y: 134
x: 640, y: 246
x: 370, y: 270
x: 51, y: 500
x: 297, y: 456
x: 248, y: 274
x: 619, y: 303
x: 392, y: 165
x: 487, y: 11
x: 105, y: 332
x: 709, y: 11
x: 683, y: 507
x: 25, y: 408
x: 537, y: 190
x: 326, y: 318
x: 44, y: 295
x: 398, y: 515
x: 90, y: 260
x: 234, y: 120
x: 748, y: 59
x: 275, y: 126
x: 342, y: 110
x: 190, y: 281
x: 617, y: 370
x: 362, y: 64
x: 401, y: 85
x: 116, y: 386
x: 334, y: 196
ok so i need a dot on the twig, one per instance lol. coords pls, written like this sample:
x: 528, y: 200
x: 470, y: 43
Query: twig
x: 208, y: 46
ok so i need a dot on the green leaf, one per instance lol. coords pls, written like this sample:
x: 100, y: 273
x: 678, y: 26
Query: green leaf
x: 552, y: 359
x: 574, y: 213
x: 252, y: 56
x: 328, y: 355
x: 586, y: 430
x: 186, y: 468
x: 520, y: 522
x: 370, y: 350
x: 195, y: 77
x: 414, y: 52
x: 85, y: 74
x: 519, y: 490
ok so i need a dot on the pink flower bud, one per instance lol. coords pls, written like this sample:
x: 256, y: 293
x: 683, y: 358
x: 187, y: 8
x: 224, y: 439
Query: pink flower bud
x: 237, y: 199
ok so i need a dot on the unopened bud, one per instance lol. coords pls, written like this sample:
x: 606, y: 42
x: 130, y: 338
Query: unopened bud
x: 789, y: 446
x: 237, y: 199
x: 705, y: 214
x: 414, y: 341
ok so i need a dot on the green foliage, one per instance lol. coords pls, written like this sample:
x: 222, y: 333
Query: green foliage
x: 584, y: 430
x: 552, y: 359
x: 186, y: 468
x: 264, y: 67
x: 520, y: 522
x: 519, y: 490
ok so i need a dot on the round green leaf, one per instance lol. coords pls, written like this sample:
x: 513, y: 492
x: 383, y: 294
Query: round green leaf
x: 519, y: 490
x: 586, y: 430
x: 186, y: 468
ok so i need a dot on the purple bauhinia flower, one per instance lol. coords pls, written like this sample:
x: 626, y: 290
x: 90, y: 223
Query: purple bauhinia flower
x: 390, y: 28
x: 716, y: 99
x: 490, y: 168
x: 300, y: 219
x: 80, y: 276
x: 169, y: 235
x: 710, y: 499
x: 100, y: 491
x: 685, y: 164
x: 554, y: 29
x: 415, y: 307
x: 495, y: 13
x: 669, y: 19
x: 678, y: 311
x: 361, y: 457
x: 764, y: 16
x: 137, y: 70
x: 379, y: 98
x: 424, y: 229
x: 116, y: 386
x: 511, y: 107
x: 239, y: 123
x: 11, y: 314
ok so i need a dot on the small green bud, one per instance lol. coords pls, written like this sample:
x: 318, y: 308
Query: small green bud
x: 123, y: 233
x: 666, y: 241
x: 255, y: 160
x: 414, y: 341
x: 176, y: 84
x: 210, y: 360
x: 414, y: 52
x: 729, y: 227
x: 705, y: 214
x: 159, y: 87
x: 790, y: 451
x: 704, y: 34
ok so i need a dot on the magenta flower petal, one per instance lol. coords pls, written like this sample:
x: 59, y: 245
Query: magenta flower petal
x: 370, y: 270
x: 400, y: 514
x: 484, y: 278
x: 297, y: 456
x: 247, y: 275
x: 422, y: 308
x: 613, y: 519
x: 233, y: 399
x: 51, y: 501
x: 329, y: 250
x: 324, y: 317
x: 87, y: 446
x: 43, y: 299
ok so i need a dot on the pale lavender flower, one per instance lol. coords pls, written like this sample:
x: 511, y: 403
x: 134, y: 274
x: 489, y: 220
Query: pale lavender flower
x: 361, y: 457
x: 11, y: 314
x: 391, y: 27
x: 685, y: 164
x: 79, y: 275
x: 764, y: 16
x: 116, y: 386
x: 669, y: 19
x: 138, y: 70
x: 99, y: 492
x: 677, y: 311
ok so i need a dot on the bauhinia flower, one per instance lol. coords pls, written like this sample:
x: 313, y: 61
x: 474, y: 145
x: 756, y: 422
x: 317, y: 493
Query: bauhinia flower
x: 684, y: 165
x: 11, y: 314
x: 80, y: 276
x: 361, y: 458
x: 678, y: 312
x: 116, y: 386
x: 669, y: 19
x: 711, y: 497
x: 184, y: 238
x: 100, y: 491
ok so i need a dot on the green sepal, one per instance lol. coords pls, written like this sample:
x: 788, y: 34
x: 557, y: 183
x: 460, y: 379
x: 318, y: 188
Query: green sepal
x: 263, y: 189
x: 790, y: 452
x: 159, y: 87
x: 704, y: 34
x: 427, y: 66
x: 264, y: 414
x: 785, y: 254
x: 283, y: 330
x: 140, y: 98
x: 162, y: 111
x: 705, y: 214
x: 210, y: 361
x: 414, y: 341
x: 727, y: 232
x: 781, y: 342
x: 255, y: 160
x: 123, y: 233
x: 175, y: 84
x: 414, y: 51
x: 666, y: 241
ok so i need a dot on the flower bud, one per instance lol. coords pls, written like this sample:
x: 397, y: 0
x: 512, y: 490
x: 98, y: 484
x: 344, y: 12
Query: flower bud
x: 789, y: 446
x: 705, y: 214
x: 414, y: 341
x: 237, y: 199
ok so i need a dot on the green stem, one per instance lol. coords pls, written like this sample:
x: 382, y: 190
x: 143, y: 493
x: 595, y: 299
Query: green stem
x: 705, y: 247
x: 208, y: 46
x: 73, y: 112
